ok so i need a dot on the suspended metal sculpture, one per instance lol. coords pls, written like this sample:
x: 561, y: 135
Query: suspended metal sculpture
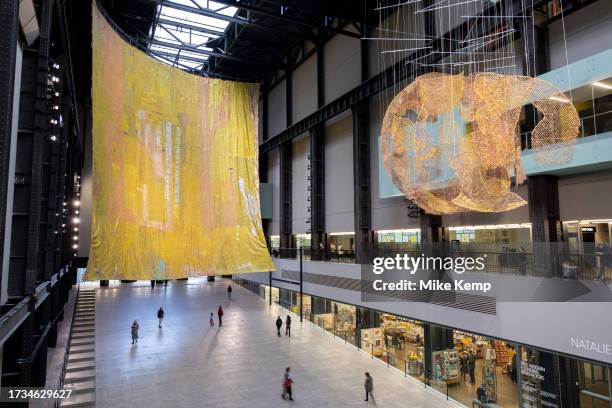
x: 450, y: 142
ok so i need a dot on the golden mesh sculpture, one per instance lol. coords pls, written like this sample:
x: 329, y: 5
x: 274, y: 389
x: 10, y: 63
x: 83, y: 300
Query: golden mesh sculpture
x: 450, y: 142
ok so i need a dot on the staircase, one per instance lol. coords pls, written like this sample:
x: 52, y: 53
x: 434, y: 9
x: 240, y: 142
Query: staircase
x: 80, y: 373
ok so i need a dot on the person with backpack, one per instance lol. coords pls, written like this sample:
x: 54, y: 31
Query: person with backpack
x: 220, y: 315
x: 160, y: 316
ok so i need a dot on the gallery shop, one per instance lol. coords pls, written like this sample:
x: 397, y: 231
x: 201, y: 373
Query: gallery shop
x: 466, y: 367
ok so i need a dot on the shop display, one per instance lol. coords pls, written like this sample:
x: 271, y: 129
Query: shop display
x: 446, y: 366
x: 162, y: 137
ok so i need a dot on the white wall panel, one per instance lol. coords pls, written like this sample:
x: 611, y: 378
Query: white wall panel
x: 587, y: 32
x: 304, y: 92
x: 586, y: 196
x: 300, y: 193
x: 339, y: 215
x: 277, y: 109
x: 342, y: 66
x: 274, y: 179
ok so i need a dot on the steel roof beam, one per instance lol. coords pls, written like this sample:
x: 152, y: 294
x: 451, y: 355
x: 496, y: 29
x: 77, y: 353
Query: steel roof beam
x: 190, y: 48
x: 231, y: 19
x: 178, y: 24
x: 287, y: 19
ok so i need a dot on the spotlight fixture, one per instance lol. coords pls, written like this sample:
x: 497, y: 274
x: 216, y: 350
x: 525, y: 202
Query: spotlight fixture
x: 76, y: 212
x: 56, y: 93
x: 75, y: 220
x: 76, y: 203
x: 75, y: 229
x: 53, y: 138
x: 75, y: 238
x: 75, y: 246
x: 63, y: 225
x: 53, y: 121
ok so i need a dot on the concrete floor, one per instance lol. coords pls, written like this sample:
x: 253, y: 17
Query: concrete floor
x: 189, y: 364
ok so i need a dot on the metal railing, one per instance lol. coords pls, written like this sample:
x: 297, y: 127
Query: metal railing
x: 62, y: 375
x: 553, y: 260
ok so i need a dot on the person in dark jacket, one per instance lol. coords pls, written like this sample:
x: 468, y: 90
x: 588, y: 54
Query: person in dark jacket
x: 135, y: 328
x: 160, y: 316
x: 288, y: 326
x: 472, y: 368
x: 279, y: 324
x: 220, y: 315
x: 152, y: 285
x: 369, y: 386
x: 229, y: 292
x: 463, y: 367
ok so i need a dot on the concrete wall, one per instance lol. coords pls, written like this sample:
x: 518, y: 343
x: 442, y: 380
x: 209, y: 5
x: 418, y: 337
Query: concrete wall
x: 277, y: 109
x: 586, y: 196
x: 587, y: 32
x: 300, y: 193
x: 274, y: 179
x: 342, y: 66
x: 339, y: 214
x: 10, y: 193
x: 304, y: 91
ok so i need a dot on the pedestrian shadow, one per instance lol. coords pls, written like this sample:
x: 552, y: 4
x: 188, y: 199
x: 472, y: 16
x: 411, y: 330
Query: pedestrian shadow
x: 213, y: 344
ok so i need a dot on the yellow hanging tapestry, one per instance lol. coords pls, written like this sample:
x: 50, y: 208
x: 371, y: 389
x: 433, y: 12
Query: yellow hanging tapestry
x: 175, y: 159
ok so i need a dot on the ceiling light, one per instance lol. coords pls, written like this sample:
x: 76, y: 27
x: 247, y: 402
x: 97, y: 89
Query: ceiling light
x: 559, y: 99
x: 602, y: 85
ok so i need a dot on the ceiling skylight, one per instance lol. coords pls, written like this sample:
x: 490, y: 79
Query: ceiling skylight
x: 180, y: 36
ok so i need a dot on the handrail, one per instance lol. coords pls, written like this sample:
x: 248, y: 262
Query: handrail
x: 595, y: 395
x: 60, y: 384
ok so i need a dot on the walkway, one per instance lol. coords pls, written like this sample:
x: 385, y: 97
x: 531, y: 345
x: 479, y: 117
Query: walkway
x: 189, y: 364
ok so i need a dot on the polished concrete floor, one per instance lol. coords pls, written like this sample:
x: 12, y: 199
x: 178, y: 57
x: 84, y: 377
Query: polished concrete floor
x: 187, y: 363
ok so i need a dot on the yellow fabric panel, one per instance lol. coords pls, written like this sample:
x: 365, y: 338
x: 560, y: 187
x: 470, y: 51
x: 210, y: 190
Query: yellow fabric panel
x: 175, y: 180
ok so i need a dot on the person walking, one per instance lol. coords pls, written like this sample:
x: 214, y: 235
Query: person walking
x: 212, y: 320
x: 472, y: 368
x: 369, y: 386
x: 220, y: 314
x: 165, y: 282
x: 279, y: 324
x: 288, y: 326
x: 152, y: 285
x: 135, y: 328
x: 160, y: 315
x: 287, y: 385
x: 463, y: 366
x: 229, y: 292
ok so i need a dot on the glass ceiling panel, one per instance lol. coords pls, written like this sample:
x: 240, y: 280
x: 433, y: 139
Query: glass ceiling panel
x: 186, y: 37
